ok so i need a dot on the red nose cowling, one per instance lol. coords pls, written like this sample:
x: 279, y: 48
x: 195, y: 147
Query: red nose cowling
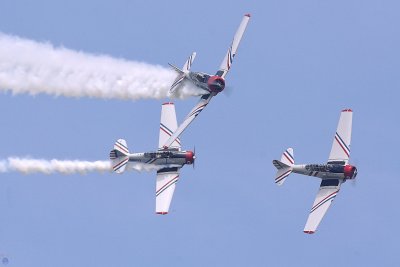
x: 350, y: 172
x: 189, y: 157
x: 216, y: 84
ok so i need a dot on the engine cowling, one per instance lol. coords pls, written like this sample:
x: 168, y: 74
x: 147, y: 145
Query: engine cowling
x: 189, y: 157
x: 216, y: 84
x: 350, y: 172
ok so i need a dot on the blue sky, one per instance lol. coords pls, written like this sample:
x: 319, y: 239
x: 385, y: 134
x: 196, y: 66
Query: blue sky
x: 299, y: 64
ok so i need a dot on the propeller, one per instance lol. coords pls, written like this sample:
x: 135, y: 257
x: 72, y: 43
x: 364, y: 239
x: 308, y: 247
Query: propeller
x: 194, y: 156
x: 354, y: 181
x: 228, y: 91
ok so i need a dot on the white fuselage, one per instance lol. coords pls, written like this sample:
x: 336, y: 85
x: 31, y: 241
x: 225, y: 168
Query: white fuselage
x: 323, y: 171
x: 178, y: 158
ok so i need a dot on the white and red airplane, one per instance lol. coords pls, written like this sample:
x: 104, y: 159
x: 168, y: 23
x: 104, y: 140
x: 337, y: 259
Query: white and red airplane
x: 212, y: 84
x: 169, y: 160
x: 335, y: 172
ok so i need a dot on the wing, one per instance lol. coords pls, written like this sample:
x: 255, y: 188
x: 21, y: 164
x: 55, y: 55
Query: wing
x: 326, y: 194
x: 204, y: 100
x: 168, y: 125
x: 227, y: 62
x: 165, y: 187
x: 341, y: 143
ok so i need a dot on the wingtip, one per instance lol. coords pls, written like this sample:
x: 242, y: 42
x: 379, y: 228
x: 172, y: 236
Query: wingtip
x: 247, y: 15
x: 162, y: 212
x: 347, y: 110
x: 168, y: 103
x: 309, y: 232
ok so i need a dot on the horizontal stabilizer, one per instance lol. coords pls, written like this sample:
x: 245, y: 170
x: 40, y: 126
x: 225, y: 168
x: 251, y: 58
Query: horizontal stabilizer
x: 178, y: 70
x: 284, y: 166
x: 121, y: 147
x: 119, y: 156
x: 283, y: 171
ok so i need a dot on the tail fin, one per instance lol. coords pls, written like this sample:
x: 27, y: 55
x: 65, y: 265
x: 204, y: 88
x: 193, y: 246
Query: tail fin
x: 182, y: 72
x: 119, y: 156
x: 284, y: 166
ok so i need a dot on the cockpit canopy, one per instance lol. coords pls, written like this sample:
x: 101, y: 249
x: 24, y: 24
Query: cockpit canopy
x: 201, y: 77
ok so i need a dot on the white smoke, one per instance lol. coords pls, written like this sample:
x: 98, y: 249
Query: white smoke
x: 32, y: 166
x: 40, y: 68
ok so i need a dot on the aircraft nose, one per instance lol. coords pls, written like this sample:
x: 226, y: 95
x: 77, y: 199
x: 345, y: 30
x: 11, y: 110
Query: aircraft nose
x: 189, y: 157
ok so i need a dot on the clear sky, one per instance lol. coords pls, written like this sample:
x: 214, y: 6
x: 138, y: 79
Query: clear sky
x: 299, y: 64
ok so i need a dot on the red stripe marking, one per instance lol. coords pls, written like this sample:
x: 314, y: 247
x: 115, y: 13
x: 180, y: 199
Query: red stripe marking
x: 177, y: 139
x: 344, y: 149
x: 347, y: 110
x: 309, y: 232
x: 162, y: 212
x: 280, y: 177
x: 324, y: 199
x: 122, y: 147
x: 121, y: 163
x: 166, y: 184
x: 289, y: 159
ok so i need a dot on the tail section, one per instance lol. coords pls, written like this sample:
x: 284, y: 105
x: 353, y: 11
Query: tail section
x: 284, y: 166
x: 182, y: 73
x: 119, y: 156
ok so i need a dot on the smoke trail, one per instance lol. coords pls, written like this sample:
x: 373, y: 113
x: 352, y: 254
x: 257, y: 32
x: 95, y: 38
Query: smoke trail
x: 30, y: 67
x: 31, y: 166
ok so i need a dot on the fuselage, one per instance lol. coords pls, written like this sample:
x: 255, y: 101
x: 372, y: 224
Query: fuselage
x: 211, y: 83
x: 163, y: 157
x: 326, y: 171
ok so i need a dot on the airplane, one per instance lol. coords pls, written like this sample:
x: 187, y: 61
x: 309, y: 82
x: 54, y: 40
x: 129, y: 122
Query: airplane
x: 211, y: 84
x: 169, y: 161
x: 335, y: 172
